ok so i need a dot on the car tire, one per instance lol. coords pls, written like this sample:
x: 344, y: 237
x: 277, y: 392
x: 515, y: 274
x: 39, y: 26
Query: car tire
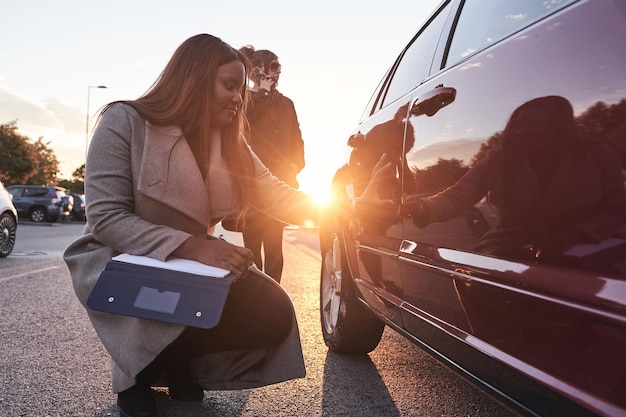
x: 348, y: 326
x: 8, y: 233
x: 38, y: 215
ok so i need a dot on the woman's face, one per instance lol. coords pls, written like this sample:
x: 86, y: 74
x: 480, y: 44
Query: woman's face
x: 229, y: 84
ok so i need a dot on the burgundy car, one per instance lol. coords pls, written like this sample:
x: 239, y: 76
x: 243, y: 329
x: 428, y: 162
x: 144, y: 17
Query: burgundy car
x: 501, y: 246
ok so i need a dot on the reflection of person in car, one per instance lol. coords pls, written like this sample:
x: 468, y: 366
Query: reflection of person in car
x: 551, y: 188
x: 385, y: 138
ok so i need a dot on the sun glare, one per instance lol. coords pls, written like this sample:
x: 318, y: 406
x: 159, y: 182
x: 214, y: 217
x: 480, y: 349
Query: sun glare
x: 321, y: 195
x: 322, y: 198
x: 315, y: 182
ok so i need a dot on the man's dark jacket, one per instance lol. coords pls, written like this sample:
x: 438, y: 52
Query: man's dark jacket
x: 275, y: 135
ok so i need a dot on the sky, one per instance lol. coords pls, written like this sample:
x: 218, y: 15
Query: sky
x: 333, y: 55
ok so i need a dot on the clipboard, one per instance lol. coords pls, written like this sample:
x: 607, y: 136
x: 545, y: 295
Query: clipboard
x: 178, y: 291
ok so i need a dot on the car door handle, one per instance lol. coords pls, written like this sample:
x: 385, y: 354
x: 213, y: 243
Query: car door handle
x: 408, y: 246
x: 432, y: 101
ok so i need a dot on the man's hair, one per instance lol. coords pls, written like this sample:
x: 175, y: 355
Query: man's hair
x: 260, y: 58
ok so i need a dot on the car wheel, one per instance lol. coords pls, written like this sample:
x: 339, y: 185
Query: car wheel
x: 38, y: 214
x: 8, y: 232
x: 347, y: 325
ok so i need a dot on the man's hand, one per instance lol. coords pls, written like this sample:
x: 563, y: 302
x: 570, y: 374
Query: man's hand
x: 267, y: 83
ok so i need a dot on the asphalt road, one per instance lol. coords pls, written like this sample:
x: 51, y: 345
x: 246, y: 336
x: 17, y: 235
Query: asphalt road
x: 52, y: 363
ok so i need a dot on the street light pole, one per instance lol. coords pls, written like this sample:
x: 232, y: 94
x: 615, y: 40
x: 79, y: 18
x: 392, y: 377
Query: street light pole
x: 87, y: 124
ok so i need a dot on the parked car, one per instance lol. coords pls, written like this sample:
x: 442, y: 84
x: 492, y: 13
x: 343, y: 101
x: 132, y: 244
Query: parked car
x: 40, y: 203
x: 8, y: 223
x: 519, y: 108
x: 78, y: 211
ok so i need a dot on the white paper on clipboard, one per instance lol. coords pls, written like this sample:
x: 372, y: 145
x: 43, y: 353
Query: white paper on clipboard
x: 175, y: 264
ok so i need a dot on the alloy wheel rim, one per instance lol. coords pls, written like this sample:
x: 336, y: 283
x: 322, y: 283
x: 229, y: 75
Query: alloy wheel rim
x: 7, y: 235
x: 331, y: 288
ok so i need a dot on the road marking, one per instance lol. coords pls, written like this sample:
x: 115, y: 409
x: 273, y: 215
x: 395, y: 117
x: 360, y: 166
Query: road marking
x: 28, y: 273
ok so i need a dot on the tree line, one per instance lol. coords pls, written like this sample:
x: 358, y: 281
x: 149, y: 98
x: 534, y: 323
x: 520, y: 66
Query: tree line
x: 23, y: 161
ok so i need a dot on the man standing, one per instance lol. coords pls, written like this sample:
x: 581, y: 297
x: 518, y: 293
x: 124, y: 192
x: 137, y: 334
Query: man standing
x: 275, y: 137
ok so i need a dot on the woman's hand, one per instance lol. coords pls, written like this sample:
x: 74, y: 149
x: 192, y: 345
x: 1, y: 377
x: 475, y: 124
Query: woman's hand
x: 370, y: 201
x: 217, y: 253
x: 412, y: 206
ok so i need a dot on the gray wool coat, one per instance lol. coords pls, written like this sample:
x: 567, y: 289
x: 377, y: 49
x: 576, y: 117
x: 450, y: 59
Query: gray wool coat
x: 145, y: 196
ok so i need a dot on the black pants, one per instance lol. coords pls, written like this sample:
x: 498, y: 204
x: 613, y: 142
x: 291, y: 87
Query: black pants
x: 265, y: 232
x: 257, y: 314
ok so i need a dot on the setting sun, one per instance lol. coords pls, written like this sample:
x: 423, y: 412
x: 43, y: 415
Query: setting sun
x: 321, y: 197
x: 318, y: 189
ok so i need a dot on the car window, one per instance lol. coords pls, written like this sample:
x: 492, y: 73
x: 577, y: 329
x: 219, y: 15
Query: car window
x: 485, y: 22
x: 371, y: 105
x: 35, y: 192
x: 414, y: 66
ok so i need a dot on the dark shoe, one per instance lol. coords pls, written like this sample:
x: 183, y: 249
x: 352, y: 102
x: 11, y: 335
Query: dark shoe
x: 137, y: 401
x: 187, y: 391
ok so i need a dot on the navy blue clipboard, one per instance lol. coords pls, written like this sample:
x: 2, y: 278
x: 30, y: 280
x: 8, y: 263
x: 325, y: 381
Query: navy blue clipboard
x: 161, y: 294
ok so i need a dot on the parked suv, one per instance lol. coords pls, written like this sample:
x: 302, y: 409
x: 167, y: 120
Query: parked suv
x: 492, y: 234
x: 40, y: 203
x: 8, y: 222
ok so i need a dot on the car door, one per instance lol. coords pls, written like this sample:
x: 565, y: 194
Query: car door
x: 377, y: 239
x: 398, y: 100
x: 20, y: 203
x: 548, y: 321
x: 383, y: 131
